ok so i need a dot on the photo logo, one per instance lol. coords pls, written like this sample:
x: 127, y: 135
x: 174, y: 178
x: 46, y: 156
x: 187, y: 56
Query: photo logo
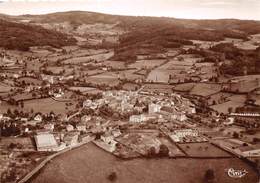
x: 236, y: 173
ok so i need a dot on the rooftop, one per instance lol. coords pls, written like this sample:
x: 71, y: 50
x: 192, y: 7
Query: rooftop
x: 45, y: 140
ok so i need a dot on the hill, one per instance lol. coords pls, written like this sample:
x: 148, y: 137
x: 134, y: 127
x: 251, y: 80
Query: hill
x: 22, y: 36
x: 157, y: 32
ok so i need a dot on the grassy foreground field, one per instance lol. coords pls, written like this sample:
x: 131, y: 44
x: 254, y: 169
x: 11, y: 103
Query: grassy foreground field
x: 91, y: 164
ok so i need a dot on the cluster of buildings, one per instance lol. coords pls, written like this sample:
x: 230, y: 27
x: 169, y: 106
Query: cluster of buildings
x: 145, y: 107
x: 186, y: 136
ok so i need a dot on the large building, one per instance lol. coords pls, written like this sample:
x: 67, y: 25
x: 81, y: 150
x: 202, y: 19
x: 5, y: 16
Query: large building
x: 179, y: 135
x: 154, y: 108
x: 46, y: 142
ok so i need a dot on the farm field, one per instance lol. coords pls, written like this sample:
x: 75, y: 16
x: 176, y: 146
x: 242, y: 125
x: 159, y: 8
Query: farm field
x: 93, y: 72
x: 159, y: 75
x: 86, y: 90
x: 146, y: 64
x: 56, y: 69
x: 34, y: 65
x: 234, y: 101
x: 185, y: 87
x: 91, y: 164
x: 130, y: 86
x: 4, y: 88
x: 39, y: 105
x: 205, y: 89
x: 115, y: 64
x: 107, y: 78
x: 29, y: 80
x: 157, y: 88
x: 98, y: 57
x: 203, y: 150
x: 219, y: 98
x: 174, y: 150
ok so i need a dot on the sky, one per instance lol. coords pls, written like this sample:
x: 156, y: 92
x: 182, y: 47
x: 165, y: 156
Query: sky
x: 191, y: 9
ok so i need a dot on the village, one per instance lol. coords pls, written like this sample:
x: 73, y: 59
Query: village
x: 178, y: 103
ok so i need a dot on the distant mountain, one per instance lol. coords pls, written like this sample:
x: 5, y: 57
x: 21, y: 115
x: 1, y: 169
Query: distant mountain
x: 160, y: 31
x: 22, y: 36
x: 83, y: 17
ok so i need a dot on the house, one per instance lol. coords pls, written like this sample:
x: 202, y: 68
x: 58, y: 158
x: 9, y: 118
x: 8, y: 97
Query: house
x: 69, y: 128
x: 32, y: 122
x: 116, y: 133
x: 136, y: 119
x: 48, y: 78
x: 49, y: 126
x: 179, y: 135
x: 71, y: 139
x: 143, y: 118
x: 87, y: 103
x: 109, y: 142
x: 81, y: 127
x: 173, y: 114
x: 85, y: 118
x: 87, y: 137
x: 45, y: 142
x: 179, y: 116
x: 38, y: 118
x: 153, y: 108
x: 24, y: 119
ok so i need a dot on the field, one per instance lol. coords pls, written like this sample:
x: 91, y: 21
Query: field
x: 26, y: 142
x: 130, y: 86
x: 219, y: 98
x: 204, y: 89
x: 181, y: 68
x: 4, y: 88
x: 234, y: 101
x: 34, y: 65
x: 85, y: 90
x: 159, y: 75
x: 174, y: 151
x: 146, y: 64
x: 107, y: 78
x: 115, y: 64
x: 111, y: 78
x: 157, y: 88
x: 55, y: 69
x: 203, y: 150
x: 186, y: 87
x: 39, y: 105
x: 29, y: 80
x: 99, y: 57
x: 91, y: 164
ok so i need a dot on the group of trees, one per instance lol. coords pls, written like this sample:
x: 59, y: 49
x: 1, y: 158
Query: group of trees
x: 241, y: 60
x: 163, y: 151
x: 31, y: 36
x: 7, y: 130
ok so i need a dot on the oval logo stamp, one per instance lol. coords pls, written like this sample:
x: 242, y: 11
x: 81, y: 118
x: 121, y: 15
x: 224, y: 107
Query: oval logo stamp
x: 236, y: 173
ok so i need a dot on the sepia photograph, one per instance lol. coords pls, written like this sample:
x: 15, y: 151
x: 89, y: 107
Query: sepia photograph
x: 129, y: 91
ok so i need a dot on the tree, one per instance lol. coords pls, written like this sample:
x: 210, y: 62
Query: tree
x: 235, y: 135
x: 163, y: 151
x: 9, y: 112
x: 22, y: 104
x: 214, y: 102
x: 209, y: 175
x: 112, y: 176
x: 151, y: 152
x: 230, y: 110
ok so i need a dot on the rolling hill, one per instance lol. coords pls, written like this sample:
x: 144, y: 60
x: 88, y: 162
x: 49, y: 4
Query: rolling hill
x: 22, y: 36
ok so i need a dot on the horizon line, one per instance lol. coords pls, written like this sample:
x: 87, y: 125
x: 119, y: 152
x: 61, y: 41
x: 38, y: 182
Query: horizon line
x: 130, y: 15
